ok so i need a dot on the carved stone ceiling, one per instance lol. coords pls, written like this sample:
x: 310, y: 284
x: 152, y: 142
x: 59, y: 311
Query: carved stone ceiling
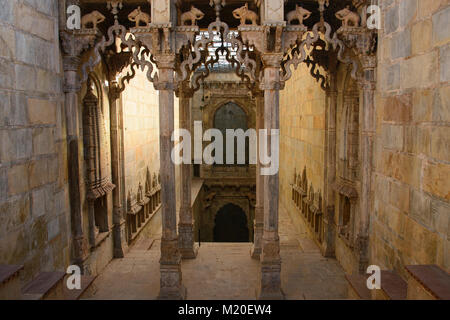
x: 203, y: 5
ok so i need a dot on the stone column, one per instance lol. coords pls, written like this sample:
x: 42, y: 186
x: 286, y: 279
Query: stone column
x: 259, y: 208
x: 120, y: 242
x: 170, y: 263
x: 270, y: 285
x: 328, y: 246
x: 368, y: 126
x: 73, y: 46
x: 188, y: 248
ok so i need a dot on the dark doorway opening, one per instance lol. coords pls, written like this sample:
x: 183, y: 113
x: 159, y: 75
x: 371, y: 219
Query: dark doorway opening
x: 231, y: 225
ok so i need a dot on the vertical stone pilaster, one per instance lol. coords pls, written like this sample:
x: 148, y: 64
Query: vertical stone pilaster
x: 368, y: 123
x: 328, y: 247
x: 120, y: 241
x: 270, y: 285
x: 188, y: 248
x: 170, y: 263
x: 259, y: 208
x: 73, y: 46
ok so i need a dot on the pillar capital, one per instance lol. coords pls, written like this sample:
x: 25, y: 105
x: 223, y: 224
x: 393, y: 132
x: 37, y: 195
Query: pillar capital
x: 184, y: 90
x: 74, y: 43
x: 272, y: 60
x: 165, y: 60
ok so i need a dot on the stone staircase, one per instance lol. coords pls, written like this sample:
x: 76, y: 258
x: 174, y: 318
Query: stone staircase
x: 45, y: 286
x: 10, y: 282
x: 425, y: 282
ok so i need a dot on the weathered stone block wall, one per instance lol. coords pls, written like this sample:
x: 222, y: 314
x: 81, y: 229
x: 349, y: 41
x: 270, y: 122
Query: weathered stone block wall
x: 141, y: 131
x: 302, y: 136
x: 34, y: 206
x: 410, y: 218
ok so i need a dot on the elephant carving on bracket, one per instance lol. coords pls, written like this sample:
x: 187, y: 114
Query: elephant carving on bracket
x: 299, y: 14
x: 244, y: 14
x: 138, y: 16
x: 93, y: 18
x: 346, y: 16
x: 193, y: 15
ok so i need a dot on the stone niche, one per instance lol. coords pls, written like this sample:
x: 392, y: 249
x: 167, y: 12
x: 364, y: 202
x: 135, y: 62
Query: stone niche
x: 143, y: 205
x: 309, y: 205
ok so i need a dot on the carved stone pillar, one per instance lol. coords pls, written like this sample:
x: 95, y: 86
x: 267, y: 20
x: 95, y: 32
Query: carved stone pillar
x: 170, y: 263
x: 188, y: 248
x: 368, y: 126
x: 363, y: 43
x: 328, y: 246
x: 120, y: 241
x: 73, y: 46
x: 270, y: 286
x: 259, y: 208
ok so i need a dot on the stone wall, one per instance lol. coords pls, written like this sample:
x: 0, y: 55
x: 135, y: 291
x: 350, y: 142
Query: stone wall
x: 302, y: 136
x: 34, y: 207
x: 410, y: 218
x: 140, y: 105
x: 141, y: 131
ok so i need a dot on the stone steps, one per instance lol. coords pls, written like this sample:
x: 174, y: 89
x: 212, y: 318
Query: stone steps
x: 46, y: 286
x: 10, y: 282
x: 425, y: 282
x: 87, y: 290
x: 428, y: 282
x: 357, y: 287
x: 393, y: 287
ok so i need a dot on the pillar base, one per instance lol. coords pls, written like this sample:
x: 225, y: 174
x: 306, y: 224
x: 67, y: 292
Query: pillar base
x: 328, y: 246
x: 171, y: 286
x: 189, y: 253
x: 120, y: 243
x: 270, y: 285
x: 255, y: 253
x: 188, y: 248
x: 278, y: 295
x: 173, y: 293
x: 256, y: 250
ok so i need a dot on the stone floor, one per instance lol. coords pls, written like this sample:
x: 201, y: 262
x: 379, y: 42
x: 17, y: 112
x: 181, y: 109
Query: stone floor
x: 226, y: 271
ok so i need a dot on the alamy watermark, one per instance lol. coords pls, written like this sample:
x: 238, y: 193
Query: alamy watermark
x: 73, y: 281
x: 374, y: 280
x: 236, y: 140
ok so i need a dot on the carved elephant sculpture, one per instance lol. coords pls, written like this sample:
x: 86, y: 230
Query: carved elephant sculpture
x: 245, y: 15
x: 299, y: 14
x: 348, y: 16
x: 93, y: 18
x: 138, y: 16
x: 193, y: 15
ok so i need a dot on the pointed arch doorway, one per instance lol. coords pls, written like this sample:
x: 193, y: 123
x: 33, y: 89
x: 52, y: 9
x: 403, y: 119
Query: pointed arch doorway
x: 231, y: 224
